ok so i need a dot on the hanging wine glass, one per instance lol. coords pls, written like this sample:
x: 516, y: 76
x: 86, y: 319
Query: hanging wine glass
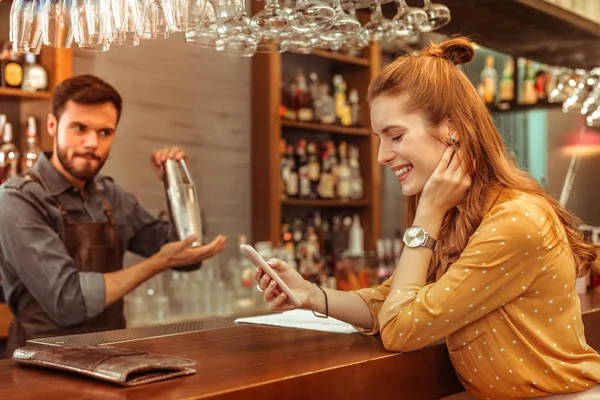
x: 272, y: 21
x: 311, y: 16
x: 438, y: 15
x: 379, y: 28
x: 344, y: 28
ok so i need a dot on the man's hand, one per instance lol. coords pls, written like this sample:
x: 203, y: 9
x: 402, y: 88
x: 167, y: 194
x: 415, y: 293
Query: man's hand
x: 177, y: 254
x: 158, y: 158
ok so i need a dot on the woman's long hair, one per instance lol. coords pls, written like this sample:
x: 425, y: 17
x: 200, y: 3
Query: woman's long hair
x: 437, y: 89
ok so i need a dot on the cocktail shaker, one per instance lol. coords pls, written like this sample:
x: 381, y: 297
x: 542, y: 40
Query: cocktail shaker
x: 182, y: 201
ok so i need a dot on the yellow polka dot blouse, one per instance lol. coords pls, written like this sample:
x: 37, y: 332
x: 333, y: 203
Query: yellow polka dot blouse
x: 507, y: 308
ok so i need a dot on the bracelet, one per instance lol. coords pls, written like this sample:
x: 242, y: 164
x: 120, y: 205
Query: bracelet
x: 326, y: 305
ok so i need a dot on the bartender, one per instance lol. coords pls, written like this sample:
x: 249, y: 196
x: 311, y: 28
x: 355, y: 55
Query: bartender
x: 65, y: 228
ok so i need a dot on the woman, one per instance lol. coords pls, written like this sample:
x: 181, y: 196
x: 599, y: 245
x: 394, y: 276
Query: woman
x: 499, y: 282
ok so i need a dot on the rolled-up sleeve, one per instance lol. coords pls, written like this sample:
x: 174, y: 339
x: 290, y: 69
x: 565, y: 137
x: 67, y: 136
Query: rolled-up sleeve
x: 500, y: 262
x: 374, y: 299
x: 35, y: 256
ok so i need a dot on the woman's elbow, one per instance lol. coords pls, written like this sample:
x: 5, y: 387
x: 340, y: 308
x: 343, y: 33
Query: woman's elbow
x: 398, y: 340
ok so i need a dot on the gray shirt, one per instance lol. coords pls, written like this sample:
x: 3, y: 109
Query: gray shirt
x: 34, y: 262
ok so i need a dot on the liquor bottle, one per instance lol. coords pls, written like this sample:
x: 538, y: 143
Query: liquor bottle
x: 356, y: 181
x: 542, y: 78
x: 241, y: 270
x: 33, y: 150
x: 285, y: 101
x: 11, y: 70
x: 9, y: 155
x: 291, y: 183
x: 325, y: 106
x: 344, y: 173
x: 507, y: 84
x: 284, y: 170
x: 303, y: 170
x: 382, y: 265
x: 489, y: 78
x: 292, y: 110
x: 342, y: 109
x: 315, y: 91
x: 35, y: 77
x: 305, y: 104
x: 326, y: 189
x: 354, y: 107
x: 529, y: 93
x: 314, y: 169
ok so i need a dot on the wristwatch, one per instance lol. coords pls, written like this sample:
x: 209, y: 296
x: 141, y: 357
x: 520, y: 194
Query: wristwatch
x: 415, y: 236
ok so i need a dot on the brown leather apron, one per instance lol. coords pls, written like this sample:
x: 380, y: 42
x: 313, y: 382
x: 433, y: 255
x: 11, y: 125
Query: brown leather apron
x: 95, y: 247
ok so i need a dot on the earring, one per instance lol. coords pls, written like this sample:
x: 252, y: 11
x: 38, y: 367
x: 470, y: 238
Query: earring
x: 451, y: 140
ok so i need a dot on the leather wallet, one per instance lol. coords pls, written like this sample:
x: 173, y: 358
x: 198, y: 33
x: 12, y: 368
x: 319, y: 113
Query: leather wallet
x: 121, y: 366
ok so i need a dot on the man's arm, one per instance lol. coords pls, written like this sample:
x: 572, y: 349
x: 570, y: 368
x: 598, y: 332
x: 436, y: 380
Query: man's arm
x: 34, y: 255
x: 150, y: 233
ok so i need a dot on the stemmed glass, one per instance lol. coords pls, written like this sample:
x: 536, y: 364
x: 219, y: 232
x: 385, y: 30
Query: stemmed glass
x: 311, y: 16
x: 344, y: 28
x: 438, y: 15
x: 379, y: 28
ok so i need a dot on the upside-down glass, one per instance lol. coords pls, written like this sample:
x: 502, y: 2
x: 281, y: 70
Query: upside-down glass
x: 438, y: 14
x: 155, y: 21
x: 25, y: 25
x: 379, y: 28
x: 311, y: 16
x: 131, y: 14
x: 57, y: 30
x: 92, y: 27
x: 344, y: 28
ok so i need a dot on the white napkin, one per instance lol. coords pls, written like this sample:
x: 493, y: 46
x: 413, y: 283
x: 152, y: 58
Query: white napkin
x: 303, y: 319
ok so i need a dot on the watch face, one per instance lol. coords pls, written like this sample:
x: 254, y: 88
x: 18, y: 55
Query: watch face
x: 414, y: 236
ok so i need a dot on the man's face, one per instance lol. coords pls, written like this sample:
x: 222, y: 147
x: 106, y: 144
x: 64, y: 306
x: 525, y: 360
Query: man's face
x: 83, y: 137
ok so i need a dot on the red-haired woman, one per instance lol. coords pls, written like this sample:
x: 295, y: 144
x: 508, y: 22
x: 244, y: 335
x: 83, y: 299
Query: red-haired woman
x: 490, y: 259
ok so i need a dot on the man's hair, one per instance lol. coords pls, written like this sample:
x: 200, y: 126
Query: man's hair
x: 84, y: 89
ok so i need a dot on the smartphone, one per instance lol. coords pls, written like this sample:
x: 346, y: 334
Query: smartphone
x: 258, y: 261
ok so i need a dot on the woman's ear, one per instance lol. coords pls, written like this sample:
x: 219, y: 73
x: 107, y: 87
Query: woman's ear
x: 448, y: 131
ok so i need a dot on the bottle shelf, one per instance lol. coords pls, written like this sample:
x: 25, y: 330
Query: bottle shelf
x: 337, y: 129
x: 326, y: 203
x: 10, y: 92
x: 514, y: 107
x: 342, y: 58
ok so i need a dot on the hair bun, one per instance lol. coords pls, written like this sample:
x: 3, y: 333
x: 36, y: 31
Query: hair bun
x: 458, y: 50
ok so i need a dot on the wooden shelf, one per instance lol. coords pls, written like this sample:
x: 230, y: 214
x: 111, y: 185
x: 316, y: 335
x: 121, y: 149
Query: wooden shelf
x: 9, y: 92
x: 525, y: 107
x: 338, y: 129
x: 5, y: 320
x: 342, y: 58
x: 534, y: 29
x: 325, y: 203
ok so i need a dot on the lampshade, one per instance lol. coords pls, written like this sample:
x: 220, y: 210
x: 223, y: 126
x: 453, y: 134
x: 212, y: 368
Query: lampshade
x: 589, y: 144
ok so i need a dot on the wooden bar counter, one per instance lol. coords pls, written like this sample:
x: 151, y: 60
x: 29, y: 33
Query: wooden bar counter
x: 259, y: 362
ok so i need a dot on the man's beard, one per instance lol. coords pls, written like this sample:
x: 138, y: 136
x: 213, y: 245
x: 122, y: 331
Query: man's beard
x: 85, y: 174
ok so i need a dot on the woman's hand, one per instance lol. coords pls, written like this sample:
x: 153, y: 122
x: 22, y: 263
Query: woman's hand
x: 273, y: 295
x: 448, y: 184
x: 177, y: 254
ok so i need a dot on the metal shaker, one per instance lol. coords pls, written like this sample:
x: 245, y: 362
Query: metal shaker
x: 182, y: 201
